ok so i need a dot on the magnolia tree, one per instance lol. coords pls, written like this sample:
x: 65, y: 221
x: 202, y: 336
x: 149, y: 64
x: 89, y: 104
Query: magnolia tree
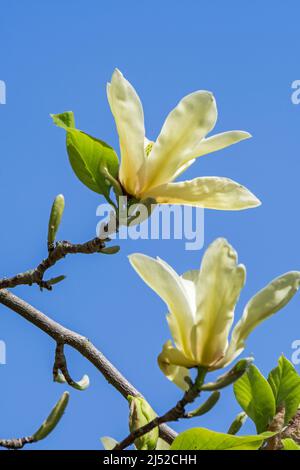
x: 200, y: 303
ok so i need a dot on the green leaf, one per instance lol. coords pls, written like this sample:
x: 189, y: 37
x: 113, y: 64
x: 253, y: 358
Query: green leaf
x: 90, y: 158
x: 64, y: 120
x: 205, y: 439
x: 290, y: 444
x: 285, y: 383
x: 53, y: 419
x: 255, y: 396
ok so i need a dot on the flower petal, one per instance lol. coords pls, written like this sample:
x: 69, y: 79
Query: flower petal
x: 220, y: 141
x: 264, y: 304
x: 185, y: 126
x: 218, y: 288
x: 127, y: 110
x: 168, y: 285
x: 174, y: 372
x: 211, y: 192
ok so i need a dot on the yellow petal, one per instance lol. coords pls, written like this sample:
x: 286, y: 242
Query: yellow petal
x: 185, y: 126
x: 210, y: 192
x: 174, y: 365
x: 264, y: 304
x: 218, y: 288
x: 168, y: 285
x: 127, y: 110
x: 220, y: 141
x: 182, y: 169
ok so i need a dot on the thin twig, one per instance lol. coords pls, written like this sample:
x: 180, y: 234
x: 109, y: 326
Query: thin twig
x: 60, y: 365
x: 59, y: 251
x: 175, y: 413
x: 17, y: 443
x: 68, y: 337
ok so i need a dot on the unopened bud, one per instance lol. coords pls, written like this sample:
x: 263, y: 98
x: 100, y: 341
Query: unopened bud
x: 230, y: 377
x: 237, y: 423
x: 54, y: 417
x: 140, y: 414
x: 55, y: 218
x: 206, y: 406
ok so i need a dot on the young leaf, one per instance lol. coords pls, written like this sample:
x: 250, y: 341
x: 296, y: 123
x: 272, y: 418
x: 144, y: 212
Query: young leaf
x: 64, y: 120
x: 289, y: 444
x: 88, y: 156
x: 205, y: 439
x: 285, y: 383
x: 255, y: 396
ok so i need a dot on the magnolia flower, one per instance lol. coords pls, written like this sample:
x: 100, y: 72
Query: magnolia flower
x: 148, y: 169
x: 201, y: 308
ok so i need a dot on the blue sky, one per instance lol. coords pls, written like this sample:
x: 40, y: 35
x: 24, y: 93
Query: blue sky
x: 58, y: 56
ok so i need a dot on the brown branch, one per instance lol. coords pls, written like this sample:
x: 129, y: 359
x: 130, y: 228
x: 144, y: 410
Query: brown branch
x: 78, y: 342
x: 60, y: 365
x: 274, y: 442
x: 17, y: 443
x: 292, y: 431
x: 175, y: 413
x: 59, y: 251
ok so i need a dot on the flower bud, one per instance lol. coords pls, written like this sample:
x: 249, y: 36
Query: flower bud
x: 54, y: 417
x: 55, y: 218
x: 237, y: 423
x: 141, y: 413
x: 230, y: 377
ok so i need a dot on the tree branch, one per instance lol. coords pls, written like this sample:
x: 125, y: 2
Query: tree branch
x: 59, y: 251
x: 68, y: 337
x: 17, y: 443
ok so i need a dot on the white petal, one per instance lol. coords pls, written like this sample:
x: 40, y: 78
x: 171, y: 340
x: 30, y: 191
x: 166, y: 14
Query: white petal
x: 210, y: 192
x: 218, y: 288
x: 168, y: 362
x: 182, y: 169
x: 185, y: 126
x: 168, y: 285
x: 190, y: 279
x: 220, y: 141
x: 128, y: 113
x: 264, y: 304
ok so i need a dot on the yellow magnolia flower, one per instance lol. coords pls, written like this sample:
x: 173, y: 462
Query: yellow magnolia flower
x: 201, y: 308
x: 148, y: 169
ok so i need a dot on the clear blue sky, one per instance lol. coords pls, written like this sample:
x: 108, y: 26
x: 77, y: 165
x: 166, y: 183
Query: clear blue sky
x: 57, y: 56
